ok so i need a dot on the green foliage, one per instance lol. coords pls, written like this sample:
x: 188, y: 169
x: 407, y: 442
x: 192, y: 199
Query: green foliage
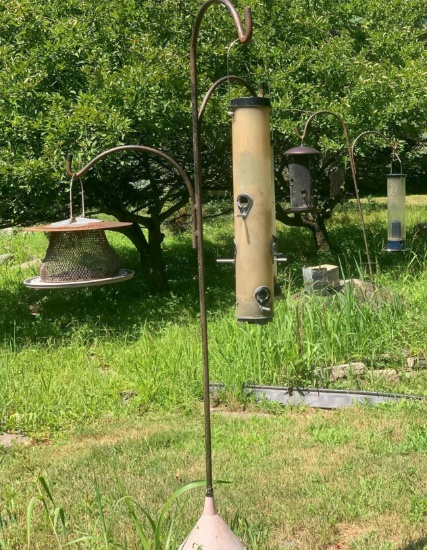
x: 363, y: 60
x: 84, y: 77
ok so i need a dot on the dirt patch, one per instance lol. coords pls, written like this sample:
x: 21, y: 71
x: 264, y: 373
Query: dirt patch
x: 8, y: 440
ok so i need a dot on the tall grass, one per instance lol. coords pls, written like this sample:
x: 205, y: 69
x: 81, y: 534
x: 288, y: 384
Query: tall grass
x: 70, y: 357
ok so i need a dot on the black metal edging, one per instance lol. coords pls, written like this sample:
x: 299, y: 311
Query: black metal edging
x: 316, y: 397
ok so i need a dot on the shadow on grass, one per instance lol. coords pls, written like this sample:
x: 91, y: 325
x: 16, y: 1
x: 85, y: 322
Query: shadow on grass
x: 30, y: 316
x: 420, y: 544
x: 40, y: 315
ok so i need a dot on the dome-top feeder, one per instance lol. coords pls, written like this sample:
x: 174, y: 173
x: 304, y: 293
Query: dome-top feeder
x: 301, y: 192
x: 79, y: 255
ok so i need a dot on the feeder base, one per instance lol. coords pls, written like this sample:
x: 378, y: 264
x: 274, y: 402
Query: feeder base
x: 396, y: 246
x: 37, y: 284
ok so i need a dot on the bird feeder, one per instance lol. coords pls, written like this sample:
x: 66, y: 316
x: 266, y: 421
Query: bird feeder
x: 79, y: 255
x: 300, y: 183
x: 396, y: 191
x: 253, y: 209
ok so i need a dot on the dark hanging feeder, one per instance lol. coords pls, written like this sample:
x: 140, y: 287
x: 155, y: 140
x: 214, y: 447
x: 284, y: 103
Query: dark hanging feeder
x: 300, y: 184
x: 79, y: 255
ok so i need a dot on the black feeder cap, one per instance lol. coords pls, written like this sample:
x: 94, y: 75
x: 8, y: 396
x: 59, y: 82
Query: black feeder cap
x: 250, y: 102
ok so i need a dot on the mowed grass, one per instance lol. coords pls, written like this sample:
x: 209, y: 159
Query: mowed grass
x: 107, y: 381
x: 355, y: 478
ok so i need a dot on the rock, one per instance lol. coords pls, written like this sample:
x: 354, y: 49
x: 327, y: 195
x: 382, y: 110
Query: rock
x: 5, y: 258
x: 389, y: 375
x: 8, y: 440
x: 416, y: 362
x: 344, y: 371
x: 338, y: 372
x: 366, y: 291
x: 7, y: 231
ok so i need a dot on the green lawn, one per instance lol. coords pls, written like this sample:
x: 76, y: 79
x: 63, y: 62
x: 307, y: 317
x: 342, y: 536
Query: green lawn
x: 355, y: 478
x: 107, y: 383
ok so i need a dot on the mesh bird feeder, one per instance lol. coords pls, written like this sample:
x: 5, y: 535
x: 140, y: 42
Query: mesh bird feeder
x: 79, y: 253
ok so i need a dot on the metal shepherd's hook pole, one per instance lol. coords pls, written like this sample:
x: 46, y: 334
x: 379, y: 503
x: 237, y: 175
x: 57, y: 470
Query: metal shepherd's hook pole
x: 244, y: 36
x: 353, y: 173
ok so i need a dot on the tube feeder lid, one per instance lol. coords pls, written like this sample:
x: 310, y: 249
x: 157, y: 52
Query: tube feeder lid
x: 396, y: 175
x: 250, y: 102
x: 302, y: 150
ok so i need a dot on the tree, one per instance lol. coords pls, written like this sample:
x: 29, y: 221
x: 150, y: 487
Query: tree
x: 363, y: 60
x: 84, y: 77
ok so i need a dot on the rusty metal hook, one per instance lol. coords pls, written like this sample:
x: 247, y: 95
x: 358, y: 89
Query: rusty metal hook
x: 244, y: 37
x: 393, y: 145
x: 353, y: 173
x: 143, y: 149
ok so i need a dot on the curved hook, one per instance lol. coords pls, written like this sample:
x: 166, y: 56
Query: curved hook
x: 144, y: 149
x: 353, y: 173
x: 215, y: 85
x: 322, y: 112
x: 392, y: 145
x: 244, y: 35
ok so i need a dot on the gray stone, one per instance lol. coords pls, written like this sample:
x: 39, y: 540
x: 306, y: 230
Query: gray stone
x: 8, y: 440
x: 366, y: 291
x: 338, y: 372
x: 344, y: 371
x: 416, y: 363
x: 389, y: 375
x: 7, y: 231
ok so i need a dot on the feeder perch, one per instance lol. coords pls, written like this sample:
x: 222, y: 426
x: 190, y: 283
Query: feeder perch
x: 396, y: 191
x: 300, y: 184
x: 79, y: 255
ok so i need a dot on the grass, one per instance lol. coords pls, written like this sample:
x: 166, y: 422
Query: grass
x: 107, y: 381
x: 355, y: 478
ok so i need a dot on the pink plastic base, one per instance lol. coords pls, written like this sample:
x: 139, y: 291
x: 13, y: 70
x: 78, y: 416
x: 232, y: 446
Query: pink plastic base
x: 211, y: 532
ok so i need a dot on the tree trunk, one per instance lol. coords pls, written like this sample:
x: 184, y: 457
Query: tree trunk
x: 314, y: 222
x: 156, y: 267
x: 150, y: 254
x: 318, y: 229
